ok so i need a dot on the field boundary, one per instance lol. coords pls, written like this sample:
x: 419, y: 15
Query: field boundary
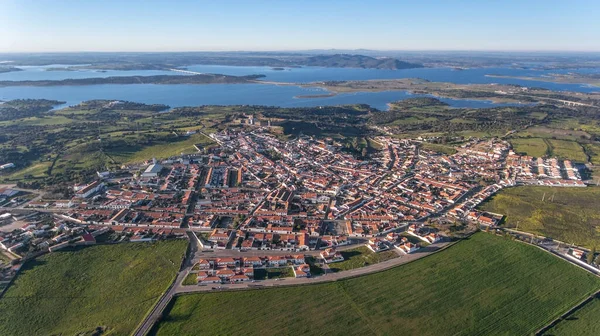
x: 562, y: 317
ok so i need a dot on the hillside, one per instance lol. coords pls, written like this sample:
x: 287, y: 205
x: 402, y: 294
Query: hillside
x: 357, y: 61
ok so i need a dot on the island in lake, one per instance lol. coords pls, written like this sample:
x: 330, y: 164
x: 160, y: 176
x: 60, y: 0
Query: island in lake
x: 570, y: 78
x: 4, y: 69
x: 158, y: 79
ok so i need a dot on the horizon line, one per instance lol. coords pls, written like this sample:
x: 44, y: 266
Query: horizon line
x: 303, y: 50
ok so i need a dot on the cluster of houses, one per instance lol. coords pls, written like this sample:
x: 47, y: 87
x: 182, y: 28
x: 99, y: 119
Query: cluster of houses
x: 257, y: 192
x: 236, y: 270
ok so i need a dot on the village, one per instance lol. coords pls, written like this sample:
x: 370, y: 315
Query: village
x: 280, y: 200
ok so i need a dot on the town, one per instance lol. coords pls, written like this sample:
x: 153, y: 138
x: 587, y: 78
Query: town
x: 255, y: 192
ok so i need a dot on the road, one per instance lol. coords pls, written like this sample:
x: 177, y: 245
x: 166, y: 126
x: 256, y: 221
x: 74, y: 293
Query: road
x: 402, y: 259
x: 159, y: 307
x: 177, y: 288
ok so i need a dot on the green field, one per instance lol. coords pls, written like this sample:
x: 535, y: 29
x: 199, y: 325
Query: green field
x: 563, y: 149
x: 593, y: 150
x: 190, y: 279
x: 580, y: 323
x: 445, y: 149
x: 535, y: 147
x: 360, y: 257
x: 484, y: 285
x: 75, y: 292
x: 160, y: 151
x: 273, y: 273
x: 571, y: 215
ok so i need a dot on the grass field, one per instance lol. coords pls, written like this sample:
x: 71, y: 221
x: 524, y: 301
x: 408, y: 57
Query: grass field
x: 566, y: 150
x: 159, y: 151
x: 581, y: 323
x: 484, y: 285
x: 535, y: 147
x: 190, y: 279
x: 75, y: 292
x: 360, y: 257
x: 593, y: 150
x: 449, y: 150
x: 273, y: 273
x: 572, y: 216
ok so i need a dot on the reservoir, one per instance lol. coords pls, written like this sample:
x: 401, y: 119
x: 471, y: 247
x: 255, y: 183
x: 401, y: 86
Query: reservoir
x: 265, y: 94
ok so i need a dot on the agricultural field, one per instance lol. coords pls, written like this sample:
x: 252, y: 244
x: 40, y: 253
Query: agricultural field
x: 483, y: 285
x: 535, y: 147
x: 571, y: 215
x: 162, y: 150
x: 593, y: 150
x: 360, y: 257
x: 582, y: 322
x: 554, y: 133
x: 566, y: 150
x: 446, y: 149
x: 107, y: 288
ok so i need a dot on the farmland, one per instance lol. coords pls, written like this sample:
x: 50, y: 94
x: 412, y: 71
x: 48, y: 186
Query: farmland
x: 535, y: 147
x: 360, y: 257
x: 566, y: 150
x: 584, y: 321
x: 571, y: 215
x: 110, y: 287
x: 486, y: 284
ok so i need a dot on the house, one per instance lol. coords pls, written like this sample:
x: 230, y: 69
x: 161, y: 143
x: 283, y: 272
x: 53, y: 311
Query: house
x: 330, y: 255
x: 203, y: 264
x: 223, y: 262
x: 88, y: 239
x: 433, y: 238
x: 408, y: 247
x: 210, y: 280
x: 276, y: 261
x: 201, y: 276
x: 377, y: 245
x: 249, y: 272
x: 577, y: 253
x: 239, y: 278
x: 252, y: 262
x: 297, y: 259
x: 225, y: 274
x: 302, y: 271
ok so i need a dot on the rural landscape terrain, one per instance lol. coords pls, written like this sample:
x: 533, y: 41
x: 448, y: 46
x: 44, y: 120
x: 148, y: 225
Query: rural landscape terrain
x: 299, y: 168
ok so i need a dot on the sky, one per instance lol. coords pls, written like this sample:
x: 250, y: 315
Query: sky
x: 270, y: 25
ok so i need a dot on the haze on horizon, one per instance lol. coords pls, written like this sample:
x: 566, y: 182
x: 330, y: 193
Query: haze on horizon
x: 110, y: 25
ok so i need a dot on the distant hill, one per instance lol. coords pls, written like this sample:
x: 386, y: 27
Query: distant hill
x: 358, y: 61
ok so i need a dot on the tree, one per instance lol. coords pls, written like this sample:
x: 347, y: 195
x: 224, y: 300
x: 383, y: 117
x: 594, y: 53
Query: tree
x: 590, y: 255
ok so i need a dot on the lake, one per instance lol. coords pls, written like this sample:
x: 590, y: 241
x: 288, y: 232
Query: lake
x: 263, y: 94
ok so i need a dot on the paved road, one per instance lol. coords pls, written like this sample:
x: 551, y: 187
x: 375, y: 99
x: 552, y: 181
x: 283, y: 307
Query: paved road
x: 159, y: 307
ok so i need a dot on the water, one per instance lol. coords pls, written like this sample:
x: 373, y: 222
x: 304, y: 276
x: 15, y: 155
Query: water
x: 42, y: 73
x: 218, y: 94
x: 467, y: 76
x: 265, y: 94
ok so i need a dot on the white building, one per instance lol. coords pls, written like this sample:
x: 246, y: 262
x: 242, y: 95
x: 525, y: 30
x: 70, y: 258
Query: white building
x: 152, y: 170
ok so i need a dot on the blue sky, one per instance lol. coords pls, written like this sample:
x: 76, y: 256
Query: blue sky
x: 137, y: 25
